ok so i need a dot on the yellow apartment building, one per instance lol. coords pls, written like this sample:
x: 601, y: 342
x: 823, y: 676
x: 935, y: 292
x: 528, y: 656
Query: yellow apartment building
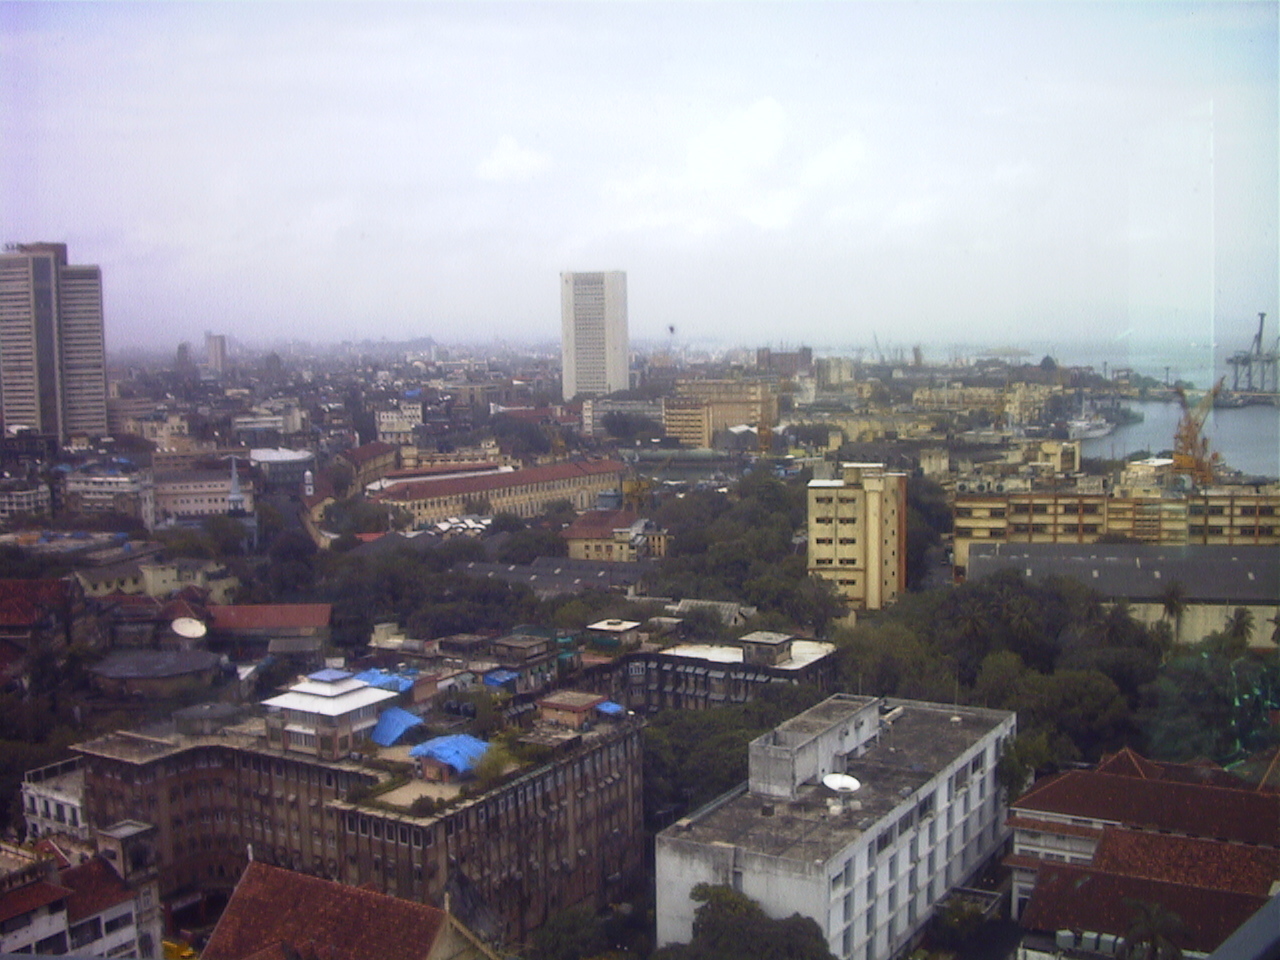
x: 858, y: 533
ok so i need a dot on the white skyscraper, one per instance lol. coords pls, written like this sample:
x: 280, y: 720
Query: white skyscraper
x: 593, y: 337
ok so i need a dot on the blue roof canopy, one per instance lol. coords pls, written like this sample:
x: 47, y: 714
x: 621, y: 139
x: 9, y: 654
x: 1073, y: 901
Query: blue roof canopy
x: 496, y: 678
x: 611, y: 709
x: 460, y: 751
x: 385, y: 680
x: 392, y: 725
x: 328, y: 675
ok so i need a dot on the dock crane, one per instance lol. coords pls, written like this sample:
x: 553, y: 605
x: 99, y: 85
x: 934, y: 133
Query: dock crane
x: 1265, y: 361
x: 1190, y: 447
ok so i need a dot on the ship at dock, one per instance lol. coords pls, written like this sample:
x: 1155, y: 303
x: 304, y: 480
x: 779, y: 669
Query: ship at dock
x: 1088, y: 427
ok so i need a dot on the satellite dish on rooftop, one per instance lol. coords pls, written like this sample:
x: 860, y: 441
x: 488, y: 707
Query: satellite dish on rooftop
x: 841, y: 783
x: 188, y: 627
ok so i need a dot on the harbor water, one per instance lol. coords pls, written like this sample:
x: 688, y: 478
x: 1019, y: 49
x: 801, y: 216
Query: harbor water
x: 1248, y: 438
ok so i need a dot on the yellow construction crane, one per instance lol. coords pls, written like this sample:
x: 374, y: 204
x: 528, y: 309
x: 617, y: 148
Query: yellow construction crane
x: 1190, y: 447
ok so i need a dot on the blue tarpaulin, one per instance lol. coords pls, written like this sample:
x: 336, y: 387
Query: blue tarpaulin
x: 460, y: 751
x: 496, y: 678
x: 611, y: 709
x: 384, y: 680
x: 391, y: 726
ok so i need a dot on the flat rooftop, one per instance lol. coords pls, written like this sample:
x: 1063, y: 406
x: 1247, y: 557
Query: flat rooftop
x: 913, y: 749
x: 803, y: 653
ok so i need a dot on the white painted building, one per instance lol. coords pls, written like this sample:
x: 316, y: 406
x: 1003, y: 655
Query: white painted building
x: 594, y: 342
x: 870, y: 865
x: 53, y: 800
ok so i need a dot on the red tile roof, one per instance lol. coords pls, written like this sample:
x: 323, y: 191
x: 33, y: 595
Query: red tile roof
x: 24, y: 603
x: 466, y: 486
x: 599, y: 524
x: 1200, y: 811
x: 182, y: 607
x: 94, y: 887
x: 31, y: 896
x: 270, y: 616
x: 370, y: 451
x: 1087, y: 899
x: 1209, y: 864
x: 1129, y: 763
x: 271, y: 908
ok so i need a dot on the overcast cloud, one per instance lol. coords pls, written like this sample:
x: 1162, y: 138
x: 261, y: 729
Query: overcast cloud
x: 765, y: 173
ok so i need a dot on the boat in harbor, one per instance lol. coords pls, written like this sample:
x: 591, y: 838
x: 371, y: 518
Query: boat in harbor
x: 1088, y: 427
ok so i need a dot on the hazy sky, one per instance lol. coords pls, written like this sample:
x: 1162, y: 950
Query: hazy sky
x: 765, y: 173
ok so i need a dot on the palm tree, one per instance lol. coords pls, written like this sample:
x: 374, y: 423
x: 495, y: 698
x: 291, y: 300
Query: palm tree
x: 1240, y: 624
x: 1153, y: 933
x: 1174, y: 601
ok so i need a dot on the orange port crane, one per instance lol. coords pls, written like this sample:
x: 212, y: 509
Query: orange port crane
x: 1190, y: 447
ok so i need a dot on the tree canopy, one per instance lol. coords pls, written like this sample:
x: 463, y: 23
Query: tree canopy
x: 732, y: 926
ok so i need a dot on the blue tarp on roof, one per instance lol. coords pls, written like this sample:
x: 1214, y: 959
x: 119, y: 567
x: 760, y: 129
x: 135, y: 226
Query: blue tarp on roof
x: 460, y: 751
x: 328, y: 675
x: 496, y: 678
x: 385, y: 680
x: 611, y: 709
x: 391, y: 726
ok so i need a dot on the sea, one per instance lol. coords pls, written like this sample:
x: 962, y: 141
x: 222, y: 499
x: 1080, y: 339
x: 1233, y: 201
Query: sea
x: 1248, y: 438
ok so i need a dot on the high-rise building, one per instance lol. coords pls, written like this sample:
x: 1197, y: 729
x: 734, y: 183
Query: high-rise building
x: 215, y: 349
x: 52, y: 353
x: 593, y: 333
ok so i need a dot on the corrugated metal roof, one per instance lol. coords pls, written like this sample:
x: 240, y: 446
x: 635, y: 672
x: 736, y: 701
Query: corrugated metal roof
x: 1207, y: 573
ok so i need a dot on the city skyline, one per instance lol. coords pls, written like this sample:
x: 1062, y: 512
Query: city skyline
x: 822, y: 174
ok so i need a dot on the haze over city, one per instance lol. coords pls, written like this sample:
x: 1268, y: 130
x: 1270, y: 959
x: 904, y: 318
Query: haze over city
x: 779, y: 173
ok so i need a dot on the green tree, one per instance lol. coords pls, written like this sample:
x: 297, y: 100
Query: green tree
x: 569, y: 935
x: 732, y: 926
x: 1240, y: 625
x: 1173, y: 600
x: 1154, y: 933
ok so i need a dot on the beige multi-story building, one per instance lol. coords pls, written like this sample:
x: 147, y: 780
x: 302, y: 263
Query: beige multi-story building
x: 52, y: 352
x: 988, y: 512
x: 95, y: 489
x: 858, y: 533
x: 202, y: 493
x: 593, y: 333
x: 702, y: 408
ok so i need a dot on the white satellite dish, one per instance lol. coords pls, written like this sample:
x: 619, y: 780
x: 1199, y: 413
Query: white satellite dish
x: 188, y: 627
x: 841, y: 783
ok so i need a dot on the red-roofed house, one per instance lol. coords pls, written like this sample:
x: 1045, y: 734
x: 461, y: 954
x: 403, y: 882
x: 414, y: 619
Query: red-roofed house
x: 1084, y: 909
x: 102, y: 912
x: 43, y: 612
x: 277, y: 913
x: 526, y: 493
x: 251, y: 630
x: 370, y: 462
x: 33, y: 915
x: 614, y: 536
x: 1194, y: 839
